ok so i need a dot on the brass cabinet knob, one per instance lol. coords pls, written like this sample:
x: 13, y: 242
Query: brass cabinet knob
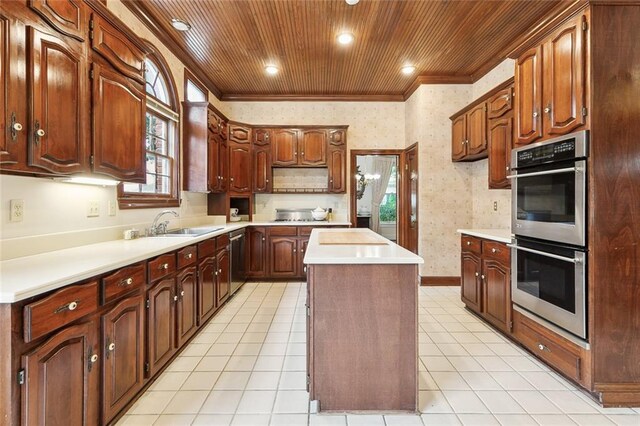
x: 72, y: 306
x: 111, y: 347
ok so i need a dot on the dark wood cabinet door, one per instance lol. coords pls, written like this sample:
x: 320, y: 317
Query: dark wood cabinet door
x: 337, y: 170
x: 313, y: 148
x: 116, y: 48
x: 119, y: 110
x: 240, y: 168
x: 500, y: 140
x: 239, y: 134
x: 13, y: 124
x: 58, y: 130
x: 284, y: 147
x: 337, y: 137
x: 471, y: 269
x: 67, y: 16
x: 262, y: 137
x: 477, y: 130
x: 224, y: 276
x: 302, y: 249
x: 187, y: 304
x: 262, y: 179
x: 500, y: 103
x: 496, y: 280
x: 62, y: 379
x: 564, y: 79
x: 195, y: 170
x: 123, y: 346
x: 255, y: 252
x: 528, y: 88
x: 207, y: 278
x: 213, y: 162
x: 459, y: 137
x: 161, y: 324
x: 223, y: 165
x: 283, y: 257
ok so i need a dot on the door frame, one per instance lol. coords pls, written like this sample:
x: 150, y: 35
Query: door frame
x: 400, y: 193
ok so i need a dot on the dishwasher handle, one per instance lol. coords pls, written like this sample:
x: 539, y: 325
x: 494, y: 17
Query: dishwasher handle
x: 237, y: 237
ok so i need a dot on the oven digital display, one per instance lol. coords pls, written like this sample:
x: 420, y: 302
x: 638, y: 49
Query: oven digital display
x: 557, y: 151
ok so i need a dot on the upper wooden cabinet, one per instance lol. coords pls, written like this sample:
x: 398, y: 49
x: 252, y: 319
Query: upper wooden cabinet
x: 337, y: 136
x: 218, y: 156
x: 116, y: 48
x: 313, y: 147
x: 500, y: 137
x: 337, y: 170
x: 551, y: 84
x: 240, y: 167
x: 307, y: 147
x: 469, y: 133
x: 118, y: 125
x: 58, y: 130
x: 67, y: 16
x: 261, y: 136
x: 284, y: 147
x: 261, y: 171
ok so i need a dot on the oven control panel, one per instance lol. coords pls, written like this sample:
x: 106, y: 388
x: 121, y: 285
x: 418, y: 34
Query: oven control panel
x: 569, y: 147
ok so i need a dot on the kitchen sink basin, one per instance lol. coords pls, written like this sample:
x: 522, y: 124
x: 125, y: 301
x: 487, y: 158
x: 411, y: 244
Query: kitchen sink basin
x: 188, y: 232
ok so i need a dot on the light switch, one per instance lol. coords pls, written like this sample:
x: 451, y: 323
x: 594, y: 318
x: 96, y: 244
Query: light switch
x: 93, y: 208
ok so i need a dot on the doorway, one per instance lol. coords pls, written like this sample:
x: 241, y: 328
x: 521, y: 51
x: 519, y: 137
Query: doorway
x: 383, y: 193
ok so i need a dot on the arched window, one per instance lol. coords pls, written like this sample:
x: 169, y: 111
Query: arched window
x: 161, y: 188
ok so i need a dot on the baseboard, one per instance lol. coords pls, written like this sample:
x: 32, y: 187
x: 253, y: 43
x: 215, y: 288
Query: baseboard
x: 437, y: 281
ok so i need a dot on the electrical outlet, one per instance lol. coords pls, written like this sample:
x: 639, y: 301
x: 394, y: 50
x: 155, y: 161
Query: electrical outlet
x: 495, y: 206
x: 93, y: 208
x: 112, y: 208
x: 17, y: 210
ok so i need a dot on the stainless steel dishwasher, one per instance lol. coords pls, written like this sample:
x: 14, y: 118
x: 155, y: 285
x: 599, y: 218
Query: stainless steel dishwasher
x: 238, y: 275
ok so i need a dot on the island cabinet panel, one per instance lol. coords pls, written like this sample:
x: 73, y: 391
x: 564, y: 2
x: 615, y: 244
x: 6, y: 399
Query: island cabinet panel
x: 123, y: 359
x: 313, y: 147
x: 59, y: 130
x: 62, y: 378
x: 363, y: 319
x: 161, y: 324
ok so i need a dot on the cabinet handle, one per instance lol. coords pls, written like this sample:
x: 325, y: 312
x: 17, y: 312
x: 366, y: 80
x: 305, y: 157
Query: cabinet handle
x: 15, y: 127
x: 482, y: 277
x: 264, y: 239
x: 92, y: 360
x: 494, y: 250
x: 175, y: 298
x: 220, y: 270
x: 182, y: 293
x: 267, y: 180
x: 126, y: 282
x: 67, y: 307
x: 507, y: 168
x: 535, y: 114
x: 506, y: 98
x: 188, y: 256
x: 38, y: 132
x: 462, y: 143
x: 547, y: 110
x: 468, y: 243
x: 303, y: 153
x: 164, y: 266
x: 477, y: 273
x: 543, y: 347
x: 231, y: 179
x: 111, y: 347
x: 294, y: 250
x: 215, y: 273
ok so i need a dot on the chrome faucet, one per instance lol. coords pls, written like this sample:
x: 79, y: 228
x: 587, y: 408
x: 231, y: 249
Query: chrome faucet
x: 161, y: 228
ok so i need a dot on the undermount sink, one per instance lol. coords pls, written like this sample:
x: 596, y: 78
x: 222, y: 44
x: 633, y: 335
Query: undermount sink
x: 188, y: 232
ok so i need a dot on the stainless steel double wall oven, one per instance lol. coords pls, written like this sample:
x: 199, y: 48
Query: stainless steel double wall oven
x: 549, y: 221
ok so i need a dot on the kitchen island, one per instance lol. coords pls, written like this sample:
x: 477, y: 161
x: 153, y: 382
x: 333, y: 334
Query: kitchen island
x: 362, y: 322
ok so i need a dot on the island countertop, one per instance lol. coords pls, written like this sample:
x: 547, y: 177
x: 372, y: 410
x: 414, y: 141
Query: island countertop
x: 385, y: 253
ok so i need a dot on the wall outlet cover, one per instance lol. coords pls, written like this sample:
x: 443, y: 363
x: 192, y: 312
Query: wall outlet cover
x: 112, y: 208
x: 16, y: 208
x: 495, y: 206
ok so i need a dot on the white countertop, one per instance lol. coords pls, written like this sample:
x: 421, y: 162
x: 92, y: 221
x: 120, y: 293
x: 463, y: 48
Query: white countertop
x: 501, y: 235
x: 30, y: 276
x: 355, y: 254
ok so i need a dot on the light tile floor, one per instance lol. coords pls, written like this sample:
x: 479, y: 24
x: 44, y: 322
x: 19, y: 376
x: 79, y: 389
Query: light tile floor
x: 247, y: 367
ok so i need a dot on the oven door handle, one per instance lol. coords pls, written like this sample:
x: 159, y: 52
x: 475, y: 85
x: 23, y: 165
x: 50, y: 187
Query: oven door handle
x: 542, y: 253
x: 547, y: 172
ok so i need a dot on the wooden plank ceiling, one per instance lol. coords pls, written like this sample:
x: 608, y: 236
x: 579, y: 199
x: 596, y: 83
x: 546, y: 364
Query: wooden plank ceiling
x: 231, y: 41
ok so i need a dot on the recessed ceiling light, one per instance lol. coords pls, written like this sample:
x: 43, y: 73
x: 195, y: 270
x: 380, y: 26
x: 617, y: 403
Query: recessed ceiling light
x: 408, y: 69
x: 352, y: 2
x: 345, y: 38
x: 271, y: 69
x: 180, y: 25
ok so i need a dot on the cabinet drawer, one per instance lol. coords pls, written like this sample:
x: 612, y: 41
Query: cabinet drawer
x: 206, y: 248
x: 162, y: 266
x: 497, y: 251
x: 59, y: 309
x: 305, y: 231
x: 283, y: 230
x: 471, y: 244
x: 187, y: 256
x: 222, y: 241
x: 123, y: 281
x: 557, y: 351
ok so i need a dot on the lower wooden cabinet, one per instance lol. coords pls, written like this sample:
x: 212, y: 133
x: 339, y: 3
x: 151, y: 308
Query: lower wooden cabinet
x: 207, y: 288
x: 186, y: 305
x: 283, y: 259
x: 161, y: 299
x: 62, y: 378
x: 486, y: 280
x: 223, y: 283
x: 123, y: 340
x: 256, y: 252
